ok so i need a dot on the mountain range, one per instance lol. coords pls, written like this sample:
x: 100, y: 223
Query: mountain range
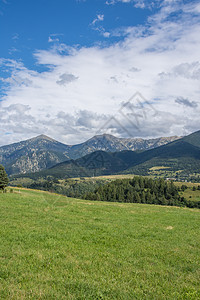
x: 181, y: 154
x: 43, y: 152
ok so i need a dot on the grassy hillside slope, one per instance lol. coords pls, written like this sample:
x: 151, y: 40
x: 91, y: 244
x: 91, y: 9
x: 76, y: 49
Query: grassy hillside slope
x: 52, y: 247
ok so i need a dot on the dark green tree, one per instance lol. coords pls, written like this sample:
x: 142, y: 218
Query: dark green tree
x: 129, y: 197
x: 3, y: 178
x: 142, y: 190
x: 98, y: 197
x: 143, y: 200
x: 183, y: 187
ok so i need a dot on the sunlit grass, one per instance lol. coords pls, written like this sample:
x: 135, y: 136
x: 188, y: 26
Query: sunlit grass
x: 53, y: 247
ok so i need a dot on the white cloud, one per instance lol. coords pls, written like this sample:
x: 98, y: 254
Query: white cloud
x: 111, y: 2
x: 137, y: 3
x: 95, y: 26
x: 99, y: 18
x: 51, y: 40
x: 106, y: 34
x: 83, y: 87
x: 185, y: 70
x: 54, y: 37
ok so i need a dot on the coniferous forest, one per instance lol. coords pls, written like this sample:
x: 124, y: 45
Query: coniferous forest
x: 141, y: 190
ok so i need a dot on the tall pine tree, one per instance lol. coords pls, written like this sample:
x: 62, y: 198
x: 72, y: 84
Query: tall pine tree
x: 3, y: 178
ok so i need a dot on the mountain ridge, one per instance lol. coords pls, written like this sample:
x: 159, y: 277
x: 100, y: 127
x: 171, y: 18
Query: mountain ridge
x: 42, y: 152
x: 182, y: 154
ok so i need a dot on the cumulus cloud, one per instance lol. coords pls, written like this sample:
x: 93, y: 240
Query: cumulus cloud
x: 185, y: 70
x: 81, y: 89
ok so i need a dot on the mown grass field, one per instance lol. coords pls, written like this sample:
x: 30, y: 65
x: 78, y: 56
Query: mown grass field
x: 53, y: 247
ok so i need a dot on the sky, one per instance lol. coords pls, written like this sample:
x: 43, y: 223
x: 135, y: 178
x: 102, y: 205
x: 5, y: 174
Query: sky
x: 73, y: 69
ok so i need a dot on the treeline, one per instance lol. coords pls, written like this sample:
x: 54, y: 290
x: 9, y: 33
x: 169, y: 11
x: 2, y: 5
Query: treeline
x: 141, y: 190
x: 3, y: 178
x: 68, y: 187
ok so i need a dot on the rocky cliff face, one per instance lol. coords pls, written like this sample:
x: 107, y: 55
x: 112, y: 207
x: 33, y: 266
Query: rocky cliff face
x: 43, y: 152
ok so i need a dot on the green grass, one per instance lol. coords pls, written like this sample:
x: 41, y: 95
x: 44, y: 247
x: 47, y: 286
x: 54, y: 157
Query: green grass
x: 52, y: 247
x: 189, y: 194
x: 108, y: 177
x: 188, y: 184
x: 157, y: 168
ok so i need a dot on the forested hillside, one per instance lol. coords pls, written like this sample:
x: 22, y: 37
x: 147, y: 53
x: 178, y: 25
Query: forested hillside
x: 141, y: 190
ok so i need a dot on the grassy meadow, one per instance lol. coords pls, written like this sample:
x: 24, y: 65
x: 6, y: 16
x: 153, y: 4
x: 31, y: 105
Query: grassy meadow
x: 54, y: 247
x: 189, y: 194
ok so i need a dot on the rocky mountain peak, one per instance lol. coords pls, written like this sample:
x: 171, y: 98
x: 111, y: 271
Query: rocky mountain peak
x: 43, y: 137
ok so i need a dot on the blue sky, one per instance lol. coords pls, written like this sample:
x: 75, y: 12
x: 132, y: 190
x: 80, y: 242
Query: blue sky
x: 67, y: 67
x: 29, y: 25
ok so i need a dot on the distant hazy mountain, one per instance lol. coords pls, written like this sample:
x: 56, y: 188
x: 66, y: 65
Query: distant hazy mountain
x: 43, y: 152
x: 182, y: 154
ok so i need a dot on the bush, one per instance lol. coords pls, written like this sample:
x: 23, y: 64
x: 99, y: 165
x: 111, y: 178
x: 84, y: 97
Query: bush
x: 183, y: 187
